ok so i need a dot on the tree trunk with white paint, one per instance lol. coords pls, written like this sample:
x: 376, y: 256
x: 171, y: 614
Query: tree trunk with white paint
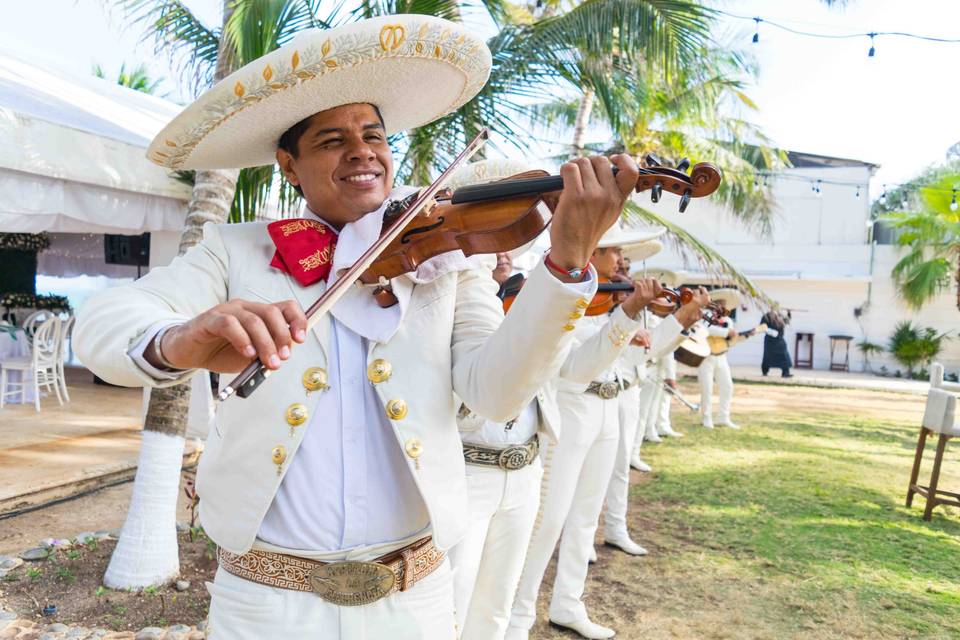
x: 147, y: 553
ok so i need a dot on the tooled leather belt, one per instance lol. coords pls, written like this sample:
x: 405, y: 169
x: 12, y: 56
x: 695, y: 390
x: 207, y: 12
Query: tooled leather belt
x: 511, y: 458
x: 605, y: 390
x: 342, y: 583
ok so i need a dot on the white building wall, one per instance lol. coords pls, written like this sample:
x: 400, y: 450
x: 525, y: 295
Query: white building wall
x: 816, y: 259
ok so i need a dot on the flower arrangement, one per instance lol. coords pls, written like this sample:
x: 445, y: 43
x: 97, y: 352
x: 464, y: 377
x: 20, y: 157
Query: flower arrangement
x: 34, y: 242
x: 28, y: 301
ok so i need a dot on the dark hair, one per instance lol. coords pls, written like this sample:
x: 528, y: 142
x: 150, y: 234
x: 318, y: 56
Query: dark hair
x: 290, y: 139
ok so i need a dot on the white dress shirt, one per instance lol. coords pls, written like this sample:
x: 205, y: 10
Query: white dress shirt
x: 348, y: 485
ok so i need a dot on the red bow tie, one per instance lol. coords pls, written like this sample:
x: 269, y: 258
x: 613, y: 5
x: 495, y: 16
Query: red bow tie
x: 304, y: 249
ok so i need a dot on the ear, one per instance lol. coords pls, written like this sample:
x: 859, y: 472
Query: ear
x: 288, y: 166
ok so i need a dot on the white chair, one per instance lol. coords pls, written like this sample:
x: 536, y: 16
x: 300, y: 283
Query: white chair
x: 66, y: 331
x: 39, y: 369
x: 940, y: 416
x: 33, y: 321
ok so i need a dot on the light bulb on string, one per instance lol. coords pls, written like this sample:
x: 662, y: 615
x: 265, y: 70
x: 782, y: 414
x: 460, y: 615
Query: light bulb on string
x: 756, y: 33
x: 857, y: 194
x: 953, y: 202
x: 873, y: 49
x: 883, y: 197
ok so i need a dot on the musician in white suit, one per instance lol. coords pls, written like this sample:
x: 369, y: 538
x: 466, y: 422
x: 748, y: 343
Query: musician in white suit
x: 717, y: 368
x: 579, y: 465
x: 334, y: 491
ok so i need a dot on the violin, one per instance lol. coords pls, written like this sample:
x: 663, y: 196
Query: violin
x: 487, y: 218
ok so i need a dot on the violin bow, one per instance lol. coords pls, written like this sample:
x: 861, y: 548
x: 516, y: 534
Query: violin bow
x: 255, y: 373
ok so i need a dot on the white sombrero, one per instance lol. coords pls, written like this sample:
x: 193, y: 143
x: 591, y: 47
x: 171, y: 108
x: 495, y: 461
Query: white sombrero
x: 491, y: 170
x: 639, y: 252
x: 625, y: 238
x: 664, y: 276
x: 729, y: 297
x: 414, y: 68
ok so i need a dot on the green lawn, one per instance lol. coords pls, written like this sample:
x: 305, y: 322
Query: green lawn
x: 799, y: 519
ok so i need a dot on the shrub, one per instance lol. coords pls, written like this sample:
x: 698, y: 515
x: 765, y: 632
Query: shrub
x: 912, y: 345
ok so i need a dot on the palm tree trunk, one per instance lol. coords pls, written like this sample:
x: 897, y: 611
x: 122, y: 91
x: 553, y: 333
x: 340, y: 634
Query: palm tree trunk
x: 958, y: 282
x: 147, y: 551
x: 583, y: 117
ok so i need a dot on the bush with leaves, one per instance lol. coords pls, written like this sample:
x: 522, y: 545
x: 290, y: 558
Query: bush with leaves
x: 912, y: 345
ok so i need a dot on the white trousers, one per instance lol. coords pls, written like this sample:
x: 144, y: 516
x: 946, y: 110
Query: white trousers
x: 488, y: 561
x: 245, y: 610
x: 576, y: 475
x: 646, y: 396
x: 653, y: 409
x: 719, y: 367
x: 663, y: 417
x: 618, y: 491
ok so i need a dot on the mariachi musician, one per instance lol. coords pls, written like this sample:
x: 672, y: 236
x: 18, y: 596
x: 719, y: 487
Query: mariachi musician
x: 716, y: 367
x: 334, y: 491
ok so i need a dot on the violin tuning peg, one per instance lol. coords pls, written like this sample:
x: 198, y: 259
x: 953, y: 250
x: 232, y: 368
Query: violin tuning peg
x: 653, y: 160
x: 683, y: 165
x: 656, y: 191
x: 684, y: 200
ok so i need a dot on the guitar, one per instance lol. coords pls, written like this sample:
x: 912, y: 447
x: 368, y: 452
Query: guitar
x: 720, y: 345
x: 695, y: 348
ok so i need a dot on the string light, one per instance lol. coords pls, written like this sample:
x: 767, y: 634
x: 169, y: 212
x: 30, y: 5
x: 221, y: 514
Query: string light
x: 756, y: 33
x: 953, y: 202
x: 857, y: 194
x: 873, y: 49
x: 883, y: 197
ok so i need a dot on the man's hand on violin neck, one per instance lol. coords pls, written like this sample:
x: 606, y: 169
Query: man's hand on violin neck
x: 590, y: 203
x: 645, y: 291
x: 228, y: 336
x: 689, y: 313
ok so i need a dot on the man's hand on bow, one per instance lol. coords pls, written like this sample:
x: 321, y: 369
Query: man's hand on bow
x: 641, y: 339
x: 228, y: 336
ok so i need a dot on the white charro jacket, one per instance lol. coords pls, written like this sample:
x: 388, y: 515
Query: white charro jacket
x: 452, y: 338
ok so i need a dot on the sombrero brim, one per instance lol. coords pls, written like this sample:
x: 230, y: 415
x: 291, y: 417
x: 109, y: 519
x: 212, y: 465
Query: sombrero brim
x: 642, y: 251
x: 627, y: 238
x: 664, y: 276
x: 729, y: 297
x: 414, y: 68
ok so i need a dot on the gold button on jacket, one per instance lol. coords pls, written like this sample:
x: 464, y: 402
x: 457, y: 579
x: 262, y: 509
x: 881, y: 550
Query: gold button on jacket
x: 413, y: 448
x: 396, y: 409
x: 297, y: 414
x: 279, y: 454
x: 583, y: 303
x: 379, y: 370
x: 315, y: 379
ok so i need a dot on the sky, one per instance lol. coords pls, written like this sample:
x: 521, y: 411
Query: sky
x: 898, y: 109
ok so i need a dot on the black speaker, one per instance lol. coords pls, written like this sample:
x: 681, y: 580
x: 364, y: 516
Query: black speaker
x: 131, y: 250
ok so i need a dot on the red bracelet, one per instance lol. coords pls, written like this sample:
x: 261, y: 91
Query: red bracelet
x: 576, y: 274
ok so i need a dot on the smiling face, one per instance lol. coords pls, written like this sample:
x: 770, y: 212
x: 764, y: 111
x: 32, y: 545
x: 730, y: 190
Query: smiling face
x: 341, y: 162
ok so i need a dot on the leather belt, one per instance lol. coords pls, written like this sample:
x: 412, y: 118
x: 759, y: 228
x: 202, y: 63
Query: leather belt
x: 341, y: 583
x: 605, y: 390
x: 512, y: 458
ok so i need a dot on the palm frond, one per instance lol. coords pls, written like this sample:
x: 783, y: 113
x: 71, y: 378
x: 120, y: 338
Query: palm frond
x: 694, y: 251
x: 177, y: 33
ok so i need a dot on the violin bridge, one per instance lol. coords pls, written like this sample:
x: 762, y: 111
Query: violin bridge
x: 429, y: 207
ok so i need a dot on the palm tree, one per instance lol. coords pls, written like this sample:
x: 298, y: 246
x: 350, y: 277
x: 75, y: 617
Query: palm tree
x: 138, y: 79
x: 929, y: 230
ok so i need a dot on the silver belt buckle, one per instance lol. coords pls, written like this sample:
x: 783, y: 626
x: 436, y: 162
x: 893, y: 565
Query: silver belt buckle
x: 609, y: 390
x: 515, y: 457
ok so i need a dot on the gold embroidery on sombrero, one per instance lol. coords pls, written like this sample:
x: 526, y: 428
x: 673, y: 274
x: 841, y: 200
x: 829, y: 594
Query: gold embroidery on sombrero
x: 310, y: 62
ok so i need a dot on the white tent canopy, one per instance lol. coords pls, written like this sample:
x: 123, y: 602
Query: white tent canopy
x: 72, y: 155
